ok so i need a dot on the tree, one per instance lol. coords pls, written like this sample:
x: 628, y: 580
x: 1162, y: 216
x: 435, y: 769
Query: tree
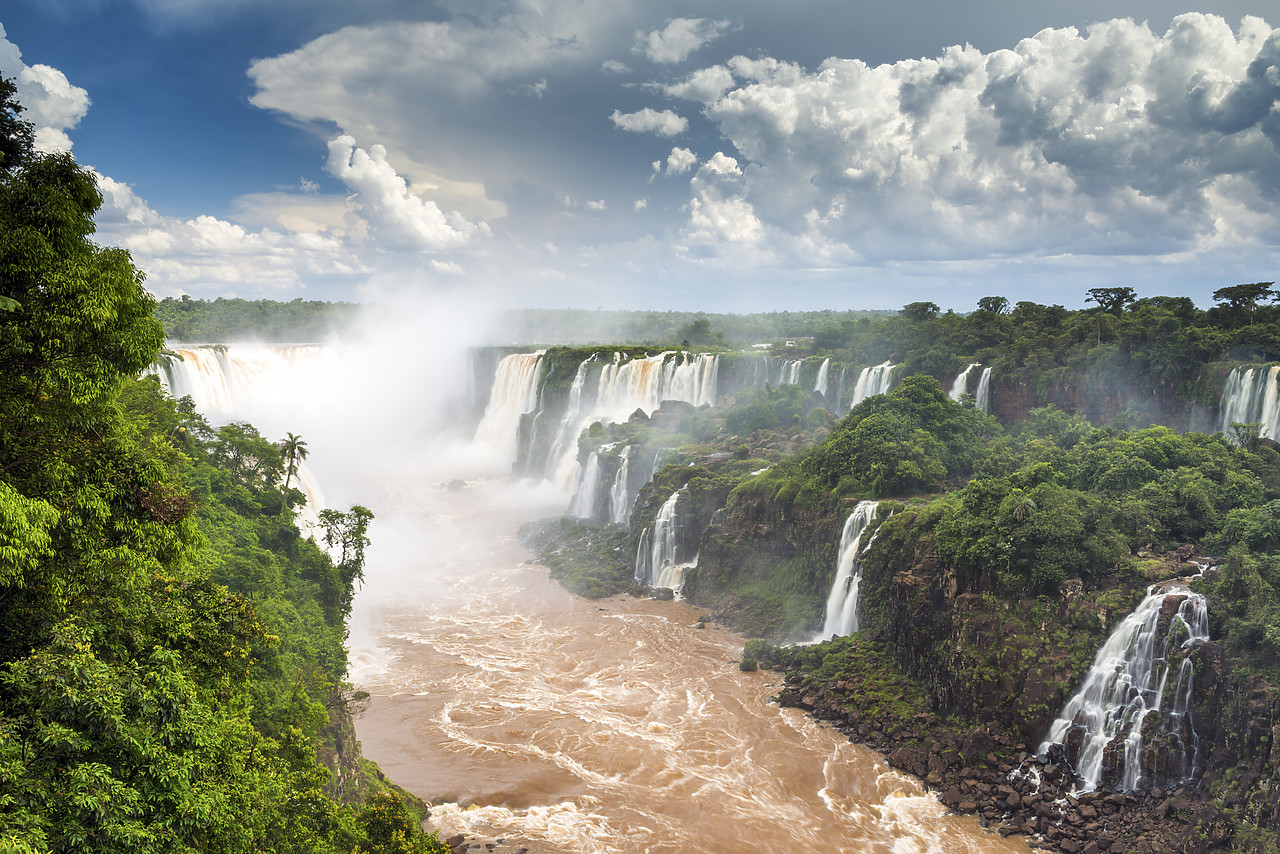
x: 920, y: 311
x: 17, y: 137
x: 346, y: 533
x: 1245, y: 298
x: 995, y: 305
x: 1112, y: 300
x: 293, y: 450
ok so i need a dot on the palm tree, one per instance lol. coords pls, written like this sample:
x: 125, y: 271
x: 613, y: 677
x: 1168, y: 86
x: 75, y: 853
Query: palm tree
x: 293, y: 450
x: 1023, y: 508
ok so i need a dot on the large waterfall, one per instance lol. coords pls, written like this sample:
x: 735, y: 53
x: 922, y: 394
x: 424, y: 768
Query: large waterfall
x: 877, y: 379
x: 961, y: 384
x: 1248, y: 396
x: 824, y: 372
x: 514, y: 393
x: 842, y: 603
x: 1127, y: 684
x: 657, y: 557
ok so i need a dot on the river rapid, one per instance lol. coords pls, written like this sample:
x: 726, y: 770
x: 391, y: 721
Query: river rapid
x: 618, y: 725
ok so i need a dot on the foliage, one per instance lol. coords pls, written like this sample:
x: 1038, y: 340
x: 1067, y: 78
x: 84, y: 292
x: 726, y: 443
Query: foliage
x: 223, y: 319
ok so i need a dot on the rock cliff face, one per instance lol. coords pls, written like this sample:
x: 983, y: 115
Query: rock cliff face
x: 981, y: 678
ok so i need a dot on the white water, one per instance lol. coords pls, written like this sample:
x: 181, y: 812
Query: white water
x: 657, y: 560
x: 982, y: 399
x: 789, y: 373
x: 824, y: 371
x: 842, y: 602
x: 961, y: 383
x: 877, y: 379
x: 564, y: 450
x: 583, y: 503
x: 514, y: 393
x: 1126, y: 683
x: 619, y: 499
x: 1249, y: 397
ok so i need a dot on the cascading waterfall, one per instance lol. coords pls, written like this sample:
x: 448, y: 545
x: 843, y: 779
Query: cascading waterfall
x: 961, y: 383
x: 565, y: 445
x: 583, y: 503
x: 1249, y: 397
x: 842, y: 603
x: 514, y: 393
x: 982, y: 399
x: 619, y: 499
x: 789, y: 373
x: 1126, y: 684
x: 820, y: 385
x: 657, y: 563
x: 877, y: 379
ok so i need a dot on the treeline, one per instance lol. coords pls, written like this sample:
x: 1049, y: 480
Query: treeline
x: 223, y: 320
x: 172, y: 649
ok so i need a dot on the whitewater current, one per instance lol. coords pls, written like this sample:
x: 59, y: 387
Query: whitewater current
x: 618, y: 725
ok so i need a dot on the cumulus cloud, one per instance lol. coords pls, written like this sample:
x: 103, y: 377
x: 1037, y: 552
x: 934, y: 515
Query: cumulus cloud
x: 719, y: 212
x: 613, y: 66
x: 649, y: 120
x: 50, y: 102
x: 680, y: 160
x: 382, y: 200
x: 678, y: 38
x: 211, y: 254
x: 1112, y: 140
x: 705, y: 85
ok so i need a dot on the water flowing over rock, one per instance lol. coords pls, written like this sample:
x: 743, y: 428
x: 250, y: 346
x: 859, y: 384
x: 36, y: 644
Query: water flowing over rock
x: 514, y: 394
x: 842, y: 603
x: 824, y: 371
x: 583, y: 503
x: 1120, y: 701
x: 565, y: 446
x: 1249, y: 396
x: 982, y: 398
x: 789, y: 373
x: 619, y: 499
x: 961, y: 383
x: 657, y: 558
x: 877, y: 379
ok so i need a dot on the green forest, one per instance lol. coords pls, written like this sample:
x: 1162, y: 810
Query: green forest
x: 172, y: 662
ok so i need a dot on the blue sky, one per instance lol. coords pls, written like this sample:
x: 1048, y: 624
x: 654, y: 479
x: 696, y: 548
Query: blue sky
x: 698, y: 155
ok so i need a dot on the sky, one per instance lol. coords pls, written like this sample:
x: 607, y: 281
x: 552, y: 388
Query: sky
x: 701, y: 155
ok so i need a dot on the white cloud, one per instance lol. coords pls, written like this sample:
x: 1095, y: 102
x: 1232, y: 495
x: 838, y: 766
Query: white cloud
x: 719, y: 212
x: 383, y: 201
x: 213, y: 255
x: 533, y: 90
x: 649, y: 120
x: 446, y: 268
x: 1115, y: 140
x: 705, y: 85
x: 596, y: 205
x: 613, y: 66
x: 680, y: 160
x: 50, y: 102
x: 679, y: 38
x: 640, y: 204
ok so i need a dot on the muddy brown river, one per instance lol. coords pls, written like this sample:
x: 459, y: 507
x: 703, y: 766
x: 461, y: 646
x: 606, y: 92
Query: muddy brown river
x: 571, y: 725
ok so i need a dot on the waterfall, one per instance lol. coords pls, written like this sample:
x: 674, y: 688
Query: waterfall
x: 583, y: 503
x: 222, y: 385
x: 820, y: 385
x: 842, y: 603
x: 625, y: 386
x: 844, y: 372
x: 873, y: 380
x: 983, y: 397
x: 1269, y: 415
x: 514, y: 393
x: 789, y: 373
x: 619, y: 499
x: 1126, y: 684
x: 658, y: 566
x: 961, y: 383
x: 565, y: 445
x: 1238, y: 398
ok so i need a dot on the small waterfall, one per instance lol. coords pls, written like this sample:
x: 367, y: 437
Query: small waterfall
x: 842, y: 602
x: 658, y: 565
x: 514, y: 393
x: 789, y: 373
x: 1238, y: 398
x: 983, y: 398
x: 873, y: 380
x: 583, y: 503
x: 1125, y: 685
x: 844, y: 372
x: 1269, y: 415
x: 820, y: 385
x: 619, y: 499
x: 961, y: 383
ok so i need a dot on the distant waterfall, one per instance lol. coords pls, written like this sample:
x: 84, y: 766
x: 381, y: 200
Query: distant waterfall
x: 983, y: 397
x: 873, y: 380
x: 515, y: 392
x: 961, y: 383
x: 789, y: 373
x: 657, y: 561
x: 1249, y: 397
x: 820, y: 385
x: 621, y: 389
x: 619, y: 499
x: 583, y: 503
x: 842, y: 602
x: 1127, y: 684
x: 221, y: 384
x: 565, y: 445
